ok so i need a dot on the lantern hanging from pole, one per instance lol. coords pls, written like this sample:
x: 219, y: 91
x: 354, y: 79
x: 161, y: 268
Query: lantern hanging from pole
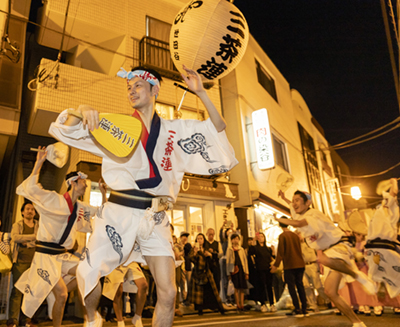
x: 210, y: 37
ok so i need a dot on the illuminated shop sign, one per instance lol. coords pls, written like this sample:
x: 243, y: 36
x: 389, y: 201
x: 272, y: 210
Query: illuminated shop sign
x: 263, y: 139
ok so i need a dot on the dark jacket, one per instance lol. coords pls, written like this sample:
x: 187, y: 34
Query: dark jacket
x: 263, y: 256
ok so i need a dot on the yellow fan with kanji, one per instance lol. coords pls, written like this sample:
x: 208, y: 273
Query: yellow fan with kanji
x: 118, y: 133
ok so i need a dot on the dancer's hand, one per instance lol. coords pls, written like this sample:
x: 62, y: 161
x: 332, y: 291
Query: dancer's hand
x: 193, y: 80
x: 394, y: 189
x: 90, y: 116
x: 41, y: 155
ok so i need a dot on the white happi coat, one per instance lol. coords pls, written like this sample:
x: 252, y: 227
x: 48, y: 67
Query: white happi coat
x: 384, y: 264
x: 157, y: 167
x: 45, y: 271
x: 320, y: 234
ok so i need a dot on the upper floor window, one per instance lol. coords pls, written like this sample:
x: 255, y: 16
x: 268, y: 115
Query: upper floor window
x: 168, y: 112
x: 157, y: 29
x: 280, y: 153
x: 267, y: 82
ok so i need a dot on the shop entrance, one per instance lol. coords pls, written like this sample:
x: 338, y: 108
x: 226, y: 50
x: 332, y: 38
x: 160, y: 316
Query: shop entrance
x: 187, y: 217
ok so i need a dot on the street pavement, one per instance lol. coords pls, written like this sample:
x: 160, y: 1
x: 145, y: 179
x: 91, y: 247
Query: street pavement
x: 325, y: 318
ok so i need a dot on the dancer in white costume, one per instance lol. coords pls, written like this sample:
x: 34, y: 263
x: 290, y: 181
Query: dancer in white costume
x: 167, y: 150
x: 382, y: 250
x: 128, y: 279
x: 330, y: 243
x: 61, y: 216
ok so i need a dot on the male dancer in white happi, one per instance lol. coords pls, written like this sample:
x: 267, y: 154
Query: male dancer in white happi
x: 382, y: 250
x: 167, y: 149
x: 333, y: 253
x: 61, y: 216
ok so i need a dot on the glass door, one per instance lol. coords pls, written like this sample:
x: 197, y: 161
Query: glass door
x: 188, y: 218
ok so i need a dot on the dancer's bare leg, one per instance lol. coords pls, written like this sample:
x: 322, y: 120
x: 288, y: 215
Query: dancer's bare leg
x: 336, y: 264
x: 92, y: 301
x: 61, y: 294
x: 163, y: 270
x: 117, y: 303
x: 142, y: 286
x: 331, y: 290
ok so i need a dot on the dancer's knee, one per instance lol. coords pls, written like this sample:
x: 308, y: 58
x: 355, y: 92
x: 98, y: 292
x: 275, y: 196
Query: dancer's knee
x: 167, y: 294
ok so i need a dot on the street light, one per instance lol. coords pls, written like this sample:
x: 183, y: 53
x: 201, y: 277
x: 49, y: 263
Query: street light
x: 355, y: 193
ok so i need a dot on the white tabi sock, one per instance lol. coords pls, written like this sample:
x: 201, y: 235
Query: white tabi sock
x: 137, y: 321
x: 359, y: 324
x: 121, y: 323
x: 98, y: 321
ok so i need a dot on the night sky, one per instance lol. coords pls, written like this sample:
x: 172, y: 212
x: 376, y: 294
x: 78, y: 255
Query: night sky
x: 335, y: 54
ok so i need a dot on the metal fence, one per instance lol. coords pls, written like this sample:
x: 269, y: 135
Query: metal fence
x: 155, y: 54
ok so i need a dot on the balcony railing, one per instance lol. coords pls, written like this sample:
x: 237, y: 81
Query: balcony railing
x: 155, y: 54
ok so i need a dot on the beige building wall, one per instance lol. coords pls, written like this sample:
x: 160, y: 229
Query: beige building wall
x: 244, y: 94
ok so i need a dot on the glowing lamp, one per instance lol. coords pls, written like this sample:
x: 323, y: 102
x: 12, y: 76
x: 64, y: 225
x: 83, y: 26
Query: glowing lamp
x: 355, y: 193
x: 210, y: 37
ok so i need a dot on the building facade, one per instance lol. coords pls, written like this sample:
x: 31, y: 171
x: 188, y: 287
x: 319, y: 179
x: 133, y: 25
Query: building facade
x: 92, y: 40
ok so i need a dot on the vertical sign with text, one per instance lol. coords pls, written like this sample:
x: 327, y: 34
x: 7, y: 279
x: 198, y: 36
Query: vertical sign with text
x: 263, y: 139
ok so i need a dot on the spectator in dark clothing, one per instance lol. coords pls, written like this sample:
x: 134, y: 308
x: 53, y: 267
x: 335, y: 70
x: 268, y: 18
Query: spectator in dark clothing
x: 254, y: 292
x: 289, y: 251
x: 223, y: 236
x: 187, y: 273
x: 214, y: 247
x: 277, y: 282
x: 263, y: 257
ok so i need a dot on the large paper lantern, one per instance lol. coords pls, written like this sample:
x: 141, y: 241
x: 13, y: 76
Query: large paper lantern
x: 209, y: 36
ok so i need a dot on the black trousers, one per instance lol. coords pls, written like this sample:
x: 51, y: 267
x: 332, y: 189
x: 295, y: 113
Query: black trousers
x: 265, y: 280
x: 294, y: 279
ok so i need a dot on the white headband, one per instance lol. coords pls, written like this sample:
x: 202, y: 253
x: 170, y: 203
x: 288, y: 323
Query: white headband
x: 75, y: 178
x: 143, y: 74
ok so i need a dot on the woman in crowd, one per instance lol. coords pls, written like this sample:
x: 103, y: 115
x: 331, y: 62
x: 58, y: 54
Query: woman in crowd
x: 204, y: 292
x: 237, y: 270
x: 263, y: 258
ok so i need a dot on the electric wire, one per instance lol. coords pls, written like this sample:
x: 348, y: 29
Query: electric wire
x: 393, y: 21
x: 391, y: 54
x: 366, y: 140
x: 373, y: 175
x: 369, y: 133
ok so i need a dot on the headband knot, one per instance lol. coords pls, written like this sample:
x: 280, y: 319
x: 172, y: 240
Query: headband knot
x: 308, y: 195
x: 79, y: 175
